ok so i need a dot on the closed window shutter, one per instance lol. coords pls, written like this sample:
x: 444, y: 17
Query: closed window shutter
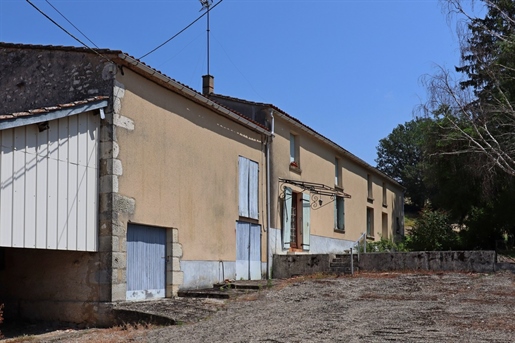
x: 306, y: 220
x: 243, y: 189
x: 253, y: 190
x: 287, y: 218
x: 340, y: 207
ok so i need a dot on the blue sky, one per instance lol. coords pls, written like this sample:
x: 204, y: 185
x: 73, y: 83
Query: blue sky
x: 348, y: 69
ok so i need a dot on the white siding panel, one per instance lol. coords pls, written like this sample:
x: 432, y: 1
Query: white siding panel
x: 6, y: 190
x: 92, y: 210
x: 71, y: 215
x: 48, y: 192
x: 52, y: 203
x: 30, y: 186
x: 19, y: 187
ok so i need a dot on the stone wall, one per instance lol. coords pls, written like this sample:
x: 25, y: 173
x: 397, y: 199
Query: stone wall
x: 285, y: 266
x: 462, y: 261
x: 37, y: 77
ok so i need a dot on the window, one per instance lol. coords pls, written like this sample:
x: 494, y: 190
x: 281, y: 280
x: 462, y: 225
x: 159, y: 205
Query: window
x: 337, y: 173
x: 384, y: 234
x: 369, y: 188
x: 293, y: 155
x: 296, y: 220
x: 294, y: 152
x: 385, y: 202
x: 370, y: 222
x: 339, y: 214
x: 248, y: 188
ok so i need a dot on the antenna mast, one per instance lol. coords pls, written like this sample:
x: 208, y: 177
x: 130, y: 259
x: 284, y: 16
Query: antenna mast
x: 206, y: 4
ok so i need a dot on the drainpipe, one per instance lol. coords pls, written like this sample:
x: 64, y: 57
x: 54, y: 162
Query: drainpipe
x: 269, y: 141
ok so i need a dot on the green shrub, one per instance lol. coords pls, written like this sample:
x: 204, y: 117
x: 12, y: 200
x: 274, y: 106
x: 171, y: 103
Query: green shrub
x: 431, y: 232
x: 385, y: 245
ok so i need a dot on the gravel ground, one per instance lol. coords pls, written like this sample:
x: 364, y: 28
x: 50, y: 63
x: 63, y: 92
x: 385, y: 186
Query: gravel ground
x: 369, y: 307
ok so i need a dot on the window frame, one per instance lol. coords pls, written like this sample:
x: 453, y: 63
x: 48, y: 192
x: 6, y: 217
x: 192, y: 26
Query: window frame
x: 248, y: 190
x: 370, y: 223
x: 370, y: 192
x: 294, y: 163
x: 337, y: 173
x: 339, y: 214
x: 385, y: 198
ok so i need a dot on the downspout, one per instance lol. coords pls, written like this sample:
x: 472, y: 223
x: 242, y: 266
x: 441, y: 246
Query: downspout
x: 268, y: 220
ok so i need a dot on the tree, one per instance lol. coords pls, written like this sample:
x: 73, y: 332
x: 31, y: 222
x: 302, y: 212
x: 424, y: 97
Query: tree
x: 479, y: 115
x: 400, y: 156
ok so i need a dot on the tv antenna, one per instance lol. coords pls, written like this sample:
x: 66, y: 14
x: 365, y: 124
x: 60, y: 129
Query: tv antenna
x: 206, y: 4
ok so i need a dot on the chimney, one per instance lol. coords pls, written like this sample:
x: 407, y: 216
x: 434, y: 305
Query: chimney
x: 208, y: 85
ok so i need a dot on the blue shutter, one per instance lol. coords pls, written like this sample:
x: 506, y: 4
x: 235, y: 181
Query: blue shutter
x: 287, y: 218
x: 253, y: 190
x: 306, y: 219
x: 255, y: 252
x: 243, y: 189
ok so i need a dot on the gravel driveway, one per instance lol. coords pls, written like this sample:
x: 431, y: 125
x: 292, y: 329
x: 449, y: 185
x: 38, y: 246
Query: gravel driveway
x: 371, y: 307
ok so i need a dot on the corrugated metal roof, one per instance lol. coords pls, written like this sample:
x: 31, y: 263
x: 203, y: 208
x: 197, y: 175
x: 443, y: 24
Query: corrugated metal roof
x: 51, y: 108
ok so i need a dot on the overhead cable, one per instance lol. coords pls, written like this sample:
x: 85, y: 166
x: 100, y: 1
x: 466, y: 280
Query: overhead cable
x: 178, y: 33
x: 67, y: 32
x: 76, y: 28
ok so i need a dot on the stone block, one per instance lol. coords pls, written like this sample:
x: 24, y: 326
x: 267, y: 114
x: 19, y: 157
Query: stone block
x: 122, y: 121
x: 177, y: 278
x: 109, y: 150
x: 119, y: 292
x: 172, y: 291
x: 114, y: 168
x: 175, y: 235
x: 119, y: 230
x: 108, y: 184
x: 177, y: 250
x: 123, y: 204
x: 119, y: 260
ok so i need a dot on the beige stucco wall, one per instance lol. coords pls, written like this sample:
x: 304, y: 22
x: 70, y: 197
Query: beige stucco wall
x: 180, y: 165
x: 316, y: 161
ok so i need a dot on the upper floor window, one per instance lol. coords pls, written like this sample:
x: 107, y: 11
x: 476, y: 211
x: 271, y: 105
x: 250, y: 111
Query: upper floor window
x: 370, y: 195
x: 292, y: 148
x: 385, y: 200
x: 337, y: 173
x: 294, y: 152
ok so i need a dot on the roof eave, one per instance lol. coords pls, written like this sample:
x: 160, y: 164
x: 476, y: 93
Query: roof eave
x: 189, y: 93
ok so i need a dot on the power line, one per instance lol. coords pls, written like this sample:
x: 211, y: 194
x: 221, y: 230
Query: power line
x: 178, y: 33
x: 68, y: 33
x: 76, y: 28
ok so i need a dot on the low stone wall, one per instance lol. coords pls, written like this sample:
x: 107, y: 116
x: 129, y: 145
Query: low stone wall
x: 285, y: 266
x: 462, y: 261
